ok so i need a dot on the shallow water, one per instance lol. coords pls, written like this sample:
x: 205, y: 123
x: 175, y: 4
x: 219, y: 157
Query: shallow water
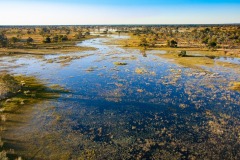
x: 229, y: 60
x: 150, y: 108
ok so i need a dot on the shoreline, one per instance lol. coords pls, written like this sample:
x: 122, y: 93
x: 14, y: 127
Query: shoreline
x: 16, y: 109
x: 132, y: 42
x: 48, y: 48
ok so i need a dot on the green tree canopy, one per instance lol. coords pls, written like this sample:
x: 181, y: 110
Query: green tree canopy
x: 212, y: 44
x: 29, y: 40
x: 47, y: 40
x: 14, y: 39
x: 172, y: 44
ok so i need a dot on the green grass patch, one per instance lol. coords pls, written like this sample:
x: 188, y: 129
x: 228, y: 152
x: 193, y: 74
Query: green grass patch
x: 32, y: 91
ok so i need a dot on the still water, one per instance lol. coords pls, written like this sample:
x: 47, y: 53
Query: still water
x: 149, y: 108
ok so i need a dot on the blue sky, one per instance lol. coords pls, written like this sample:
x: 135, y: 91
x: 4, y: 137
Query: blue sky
x: 56, y: 12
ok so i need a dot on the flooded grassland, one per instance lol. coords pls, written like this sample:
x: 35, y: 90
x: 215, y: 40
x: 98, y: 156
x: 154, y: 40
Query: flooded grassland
x: 127, y: 103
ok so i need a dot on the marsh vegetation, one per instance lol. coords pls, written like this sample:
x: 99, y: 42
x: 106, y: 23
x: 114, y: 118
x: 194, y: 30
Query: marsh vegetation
x: 124, y: 99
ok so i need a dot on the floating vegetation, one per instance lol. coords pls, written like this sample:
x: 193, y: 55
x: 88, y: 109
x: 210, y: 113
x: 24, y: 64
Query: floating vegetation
x: 91, y: 69
x: 120, y: 63
x: 235, y: 86
x: 140, y: 70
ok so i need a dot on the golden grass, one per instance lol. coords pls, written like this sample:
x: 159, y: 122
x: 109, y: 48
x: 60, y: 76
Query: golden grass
x: 235, y: 86
x: 191, y: 62
x: 134, y: 41
x: 47, y: 48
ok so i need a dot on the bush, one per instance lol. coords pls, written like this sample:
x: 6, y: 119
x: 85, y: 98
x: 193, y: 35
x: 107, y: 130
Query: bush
x: 55, y: 38
x: 47, y: 40
x: 172, y: 44
x: 3, y: 40
x: 14, y: 39
x: 8, y: 86
x: 144, y: 43
x: 29, y: 40
x: 212, y: 44
x: 182, y: 54
x: 62, y: 38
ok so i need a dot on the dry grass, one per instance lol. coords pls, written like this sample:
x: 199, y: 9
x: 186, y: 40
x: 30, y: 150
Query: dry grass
x: 191, y: 62
x: 134, y: 41
x: 47, y: 48
x: 43, y: 51
x: 235, y: 86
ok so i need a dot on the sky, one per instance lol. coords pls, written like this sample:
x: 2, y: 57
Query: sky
x: 83, y: 12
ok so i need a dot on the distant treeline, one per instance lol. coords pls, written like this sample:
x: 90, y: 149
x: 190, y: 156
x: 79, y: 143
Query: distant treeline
x: 123, y: 25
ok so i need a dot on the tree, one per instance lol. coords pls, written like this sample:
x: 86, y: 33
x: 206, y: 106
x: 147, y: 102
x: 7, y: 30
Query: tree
x: 47, y: 40
x: 207, y: 30
x: 78, y: 35
x: 64, y: 38
x: 14, y: 39
x: 44, y: 31
x: 182, y: 54
x: 212, y: 44
x: 172, y: 44
x: 55, y: 38
x: 87, y: 33
x: 29, y: 40
x: 143, y: 43
x: 3, y: 40
x: 205, y: 41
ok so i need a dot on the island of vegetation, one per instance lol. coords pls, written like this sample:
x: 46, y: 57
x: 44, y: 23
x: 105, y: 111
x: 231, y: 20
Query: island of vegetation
x: 42, y: 40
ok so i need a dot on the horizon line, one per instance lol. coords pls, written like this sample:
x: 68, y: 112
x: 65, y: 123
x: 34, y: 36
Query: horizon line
x: 238, y: 23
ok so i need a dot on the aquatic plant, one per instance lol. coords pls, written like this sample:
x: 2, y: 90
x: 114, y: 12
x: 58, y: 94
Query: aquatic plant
x: 140, y: 70
x: 120, y: 63
x: 236, y: 86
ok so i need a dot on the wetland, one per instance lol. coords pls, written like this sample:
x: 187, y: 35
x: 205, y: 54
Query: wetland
x: 115, y: 102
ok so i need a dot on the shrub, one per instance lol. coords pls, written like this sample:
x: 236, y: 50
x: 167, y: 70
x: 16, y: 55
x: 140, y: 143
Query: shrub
x: 3, y: 40
x: 212, y: 44
x: 47, y: 40
x: 182, y: 54
x: 8, y: 85
x: 29, y: 40
x: 144, y: 43
x: 14, y: 39
x: 172, y: 44
x: 55, y: 38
